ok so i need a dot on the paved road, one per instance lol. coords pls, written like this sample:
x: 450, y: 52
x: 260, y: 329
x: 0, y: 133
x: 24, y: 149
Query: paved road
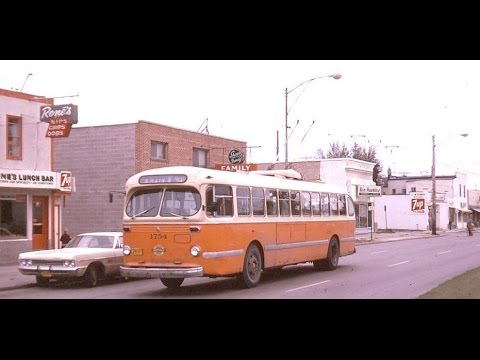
x: 399, y: 270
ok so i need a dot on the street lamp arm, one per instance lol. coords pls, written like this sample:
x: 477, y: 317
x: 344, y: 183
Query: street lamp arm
x: 335, y: 76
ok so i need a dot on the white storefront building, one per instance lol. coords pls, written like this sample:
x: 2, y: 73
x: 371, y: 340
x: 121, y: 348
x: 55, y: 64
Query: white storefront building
x: 30, y: 192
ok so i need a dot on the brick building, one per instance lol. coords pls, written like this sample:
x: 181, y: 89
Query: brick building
x: 102, y: 158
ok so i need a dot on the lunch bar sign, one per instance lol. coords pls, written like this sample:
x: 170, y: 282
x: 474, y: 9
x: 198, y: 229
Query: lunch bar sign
x: 29, y: 179
x: 60, y: 119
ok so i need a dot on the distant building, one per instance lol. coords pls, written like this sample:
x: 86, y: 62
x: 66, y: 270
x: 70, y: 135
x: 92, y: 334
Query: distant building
x: 474, y: 204
x: 30, y: 191
x: 407, y: 200
x: 102, y: 158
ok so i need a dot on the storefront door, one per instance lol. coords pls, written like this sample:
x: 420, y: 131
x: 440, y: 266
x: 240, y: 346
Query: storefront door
x: 40, y: 222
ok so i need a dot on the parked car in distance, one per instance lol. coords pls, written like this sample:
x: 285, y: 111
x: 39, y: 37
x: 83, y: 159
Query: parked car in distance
x: 88, y: 256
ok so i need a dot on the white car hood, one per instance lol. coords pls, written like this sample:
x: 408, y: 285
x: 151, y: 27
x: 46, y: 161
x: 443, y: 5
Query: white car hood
x: 66, y: 254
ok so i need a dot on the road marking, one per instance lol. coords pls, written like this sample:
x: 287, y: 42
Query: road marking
x: 378, y: 252
x: 444, y: 252
x: 307, y: 286
x: 400, y: 263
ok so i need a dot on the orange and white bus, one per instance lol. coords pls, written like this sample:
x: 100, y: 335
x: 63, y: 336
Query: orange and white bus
x: 181, y: 222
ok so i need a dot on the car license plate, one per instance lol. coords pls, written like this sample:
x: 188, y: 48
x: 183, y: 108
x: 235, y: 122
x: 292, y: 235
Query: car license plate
x: 137, y: 251
x: 46, y: 274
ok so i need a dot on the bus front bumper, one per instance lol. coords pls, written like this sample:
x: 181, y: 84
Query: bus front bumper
x: 144, y: 272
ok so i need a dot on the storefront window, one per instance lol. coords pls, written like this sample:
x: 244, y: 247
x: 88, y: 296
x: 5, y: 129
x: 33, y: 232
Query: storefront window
x: 361, y: 212
x: 13, y: 218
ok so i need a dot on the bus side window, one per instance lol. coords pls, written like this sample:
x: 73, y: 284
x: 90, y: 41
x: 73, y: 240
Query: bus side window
x: 334, y: 204
x: 219, y: 200
x: 306, y: 204
x: 295, y: 201
x: 351, y: 206
x: 272, y: 202
x: 342, y: 206
x: 258, y: 201
x: 325, y: 204
x: 211, y: 205
x: 284, y: 201
x: 243, y: 201
x: 316, y: 204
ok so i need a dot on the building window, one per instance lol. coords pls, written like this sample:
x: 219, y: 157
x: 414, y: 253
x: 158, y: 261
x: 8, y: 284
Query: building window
x: 200, y: 158
x: 14, y: 138
x: 158, y: 151
x: 13, y: 217
x: 394, y: 191
x: 413, y: 189
x: 404, y: 191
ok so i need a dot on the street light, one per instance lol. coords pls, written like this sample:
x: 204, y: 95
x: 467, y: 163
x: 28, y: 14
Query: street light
x: 334, y: 76
x: 434, y: 188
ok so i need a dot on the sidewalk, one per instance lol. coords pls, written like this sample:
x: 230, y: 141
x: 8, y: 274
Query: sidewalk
x: 11, y: 278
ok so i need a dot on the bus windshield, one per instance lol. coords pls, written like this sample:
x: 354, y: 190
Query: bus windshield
x: 172, y: 202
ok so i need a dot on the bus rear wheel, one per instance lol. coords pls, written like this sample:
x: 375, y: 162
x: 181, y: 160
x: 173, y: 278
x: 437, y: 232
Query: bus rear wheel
x: 252, y: 267
x: 172, y: 283
x: 331, y: 262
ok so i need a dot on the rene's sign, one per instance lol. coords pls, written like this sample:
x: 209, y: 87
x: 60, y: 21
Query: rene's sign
x: 60, y: 119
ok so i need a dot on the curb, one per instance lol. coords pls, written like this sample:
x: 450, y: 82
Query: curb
x: 15, y: 287
x: 413, y: 237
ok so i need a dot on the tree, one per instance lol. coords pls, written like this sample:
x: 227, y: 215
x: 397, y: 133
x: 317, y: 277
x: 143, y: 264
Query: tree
x: 337, y: 151
x: 320, y: 154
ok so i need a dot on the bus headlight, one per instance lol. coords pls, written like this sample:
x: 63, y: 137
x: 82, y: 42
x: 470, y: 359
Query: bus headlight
x: 127, y: 250
x: 195, y: 250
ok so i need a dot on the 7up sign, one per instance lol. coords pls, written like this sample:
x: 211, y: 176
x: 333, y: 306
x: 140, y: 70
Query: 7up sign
x: 66, y: 181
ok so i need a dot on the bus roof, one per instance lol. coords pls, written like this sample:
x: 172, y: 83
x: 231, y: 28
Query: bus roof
x: 199, y: 176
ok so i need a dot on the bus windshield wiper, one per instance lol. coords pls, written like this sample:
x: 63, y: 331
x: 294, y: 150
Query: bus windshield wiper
x: 142, y: 212
x: 176, y: 215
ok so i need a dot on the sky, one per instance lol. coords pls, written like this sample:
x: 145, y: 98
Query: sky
x: 395, y: 106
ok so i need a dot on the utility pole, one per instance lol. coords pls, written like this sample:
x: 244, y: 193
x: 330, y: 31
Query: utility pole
x: 286, y: 128
x: 434, y: 191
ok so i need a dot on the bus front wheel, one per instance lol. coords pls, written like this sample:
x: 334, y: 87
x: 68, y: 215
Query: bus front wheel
x: 172, y: 283
x: 252, y: 267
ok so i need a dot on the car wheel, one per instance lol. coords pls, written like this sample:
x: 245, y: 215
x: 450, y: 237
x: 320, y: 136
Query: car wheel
x: 252, y: 267
x: 172, y: 283
x: 91, y: 276
x: 41, y: 281
x: 331, y: 262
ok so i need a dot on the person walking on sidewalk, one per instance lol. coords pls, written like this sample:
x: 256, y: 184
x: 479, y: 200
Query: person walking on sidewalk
x: 470, y: 226
x: 65, y: 238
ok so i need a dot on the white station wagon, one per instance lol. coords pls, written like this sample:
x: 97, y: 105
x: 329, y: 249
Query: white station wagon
x: 88, y: 256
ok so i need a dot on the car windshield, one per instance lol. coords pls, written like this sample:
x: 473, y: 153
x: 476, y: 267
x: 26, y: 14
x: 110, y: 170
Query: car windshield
x: 91, y: 241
